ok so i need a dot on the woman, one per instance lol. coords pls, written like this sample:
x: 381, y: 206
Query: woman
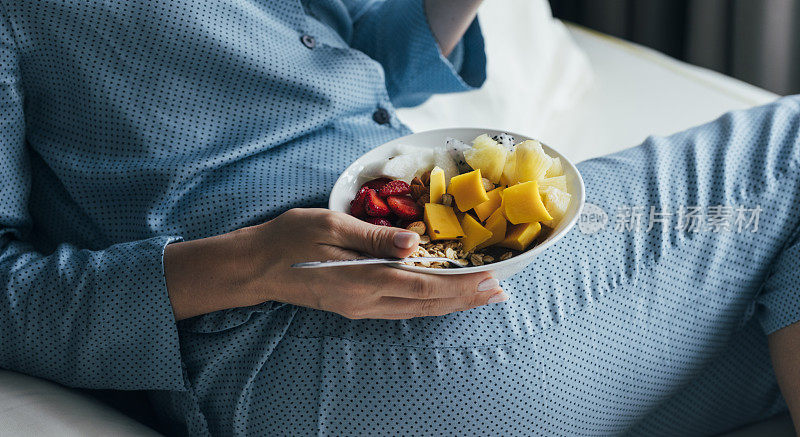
x: 149, y: 150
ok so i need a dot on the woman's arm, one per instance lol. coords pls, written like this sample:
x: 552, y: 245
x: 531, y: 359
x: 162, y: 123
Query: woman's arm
x: 252, y: 265
x: 784, y: 347
x: 449, y: 20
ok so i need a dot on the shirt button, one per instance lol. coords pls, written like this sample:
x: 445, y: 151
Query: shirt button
x: 308, y: 41
x: 381, y: 116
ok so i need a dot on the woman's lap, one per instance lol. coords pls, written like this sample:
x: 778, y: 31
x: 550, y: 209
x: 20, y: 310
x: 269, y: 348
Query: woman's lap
x: 617, y: 330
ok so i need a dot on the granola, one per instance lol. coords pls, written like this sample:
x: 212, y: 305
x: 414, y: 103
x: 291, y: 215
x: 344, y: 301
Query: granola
x: 450, y: 250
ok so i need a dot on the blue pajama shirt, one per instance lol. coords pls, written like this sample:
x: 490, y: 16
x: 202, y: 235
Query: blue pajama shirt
x: 128, y: 125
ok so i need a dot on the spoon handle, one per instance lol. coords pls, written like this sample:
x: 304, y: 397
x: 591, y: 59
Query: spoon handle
x: 364, y: 261
x: 349, y: 262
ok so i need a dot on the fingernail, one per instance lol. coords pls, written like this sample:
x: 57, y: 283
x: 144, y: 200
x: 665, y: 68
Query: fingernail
x: 405, y: 240
x: 497, y: 298
x: 488, y: 284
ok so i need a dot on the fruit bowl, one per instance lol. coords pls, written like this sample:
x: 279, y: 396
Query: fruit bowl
x: 351, y: 180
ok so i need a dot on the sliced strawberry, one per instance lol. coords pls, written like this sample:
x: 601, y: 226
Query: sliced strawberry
x: 357, y: 208
x: 357, y: 204
x: 375, y: 206
x: 377, y: 184
x: 404, y: 207
x: 394, y: 188
x: 379, y: 221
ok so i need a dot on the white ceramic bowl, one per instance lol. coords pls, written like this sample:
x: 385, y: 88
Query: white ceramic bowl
x: 350, y: 181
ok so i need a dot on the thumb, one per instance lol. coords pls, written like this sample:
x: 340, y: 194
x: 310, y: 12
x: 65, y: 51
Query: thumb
x: 378, y: 241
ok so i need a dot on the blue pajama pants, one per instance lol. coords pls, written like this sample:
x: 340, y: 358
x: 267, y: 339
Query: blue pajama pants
x: 626, y: 326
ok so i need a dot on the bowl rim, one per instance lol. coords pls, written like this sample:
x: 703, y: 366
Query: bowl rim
x: 357, y: 166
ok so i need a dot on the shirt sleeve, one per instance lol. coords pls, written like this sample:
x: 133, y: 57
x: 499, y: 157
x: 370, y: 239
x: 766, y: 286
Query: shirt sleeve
x: 92, y: 319
x: 396, y: 34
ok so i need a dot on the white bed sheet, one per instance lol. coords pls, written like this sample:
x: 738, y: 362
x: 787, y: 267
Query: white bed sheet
x: 639, y: 92
x: 34, y: 407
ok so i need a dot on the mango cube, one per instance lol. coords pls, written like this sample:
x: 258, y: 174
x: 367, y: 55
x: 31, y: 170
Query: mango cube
x: 437, y: 185
x: 485, y: 209
x: 532, y: 162
x: 519, y: 237
x: 474, y: 232
x: 522, y: 203
x: 442, y: 222
x: 468, y: 190
x: 497, y: 225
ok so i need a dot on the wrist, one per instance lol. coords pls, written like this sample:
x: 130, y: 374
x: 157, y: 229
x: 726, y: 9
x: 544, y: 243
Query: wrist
x: 209, y: 274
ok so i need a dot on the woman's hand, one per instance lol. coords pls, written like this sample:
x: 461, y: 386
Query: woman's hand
x: 252, y: 265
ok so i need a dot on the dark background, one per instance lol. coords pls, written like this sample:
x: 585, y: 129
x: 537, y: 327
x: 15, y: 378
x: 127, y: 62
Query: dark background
x: 757, y: 41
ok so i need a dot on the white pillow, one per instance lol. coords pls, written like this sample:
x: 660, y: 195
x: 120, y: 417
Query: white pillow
x: 534, y: 70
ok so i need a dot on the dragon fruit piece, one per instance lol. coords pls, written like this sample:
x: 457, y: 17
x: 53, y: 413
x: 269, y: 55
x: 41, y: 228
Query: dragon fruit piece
x: 456, y: 150
x: 505, y: 139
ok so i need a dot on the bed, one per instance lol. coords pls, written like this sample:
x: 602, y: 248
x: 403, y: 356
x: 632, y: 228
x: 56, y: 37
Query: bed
x: 607, y: 95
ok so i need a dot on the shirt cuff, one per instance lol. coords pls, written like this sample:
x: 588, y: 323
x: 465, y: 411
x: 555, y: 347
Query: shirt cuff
x: 414, y: 65
x: 147, y: 354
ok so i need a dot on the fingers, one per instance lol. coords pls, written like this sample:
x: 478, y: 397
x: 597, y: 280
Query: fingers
x: 379, y: 241
x: 411, y: 285
x: 362, y: 292
x: 380, y: 292
x: 400, y: 308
